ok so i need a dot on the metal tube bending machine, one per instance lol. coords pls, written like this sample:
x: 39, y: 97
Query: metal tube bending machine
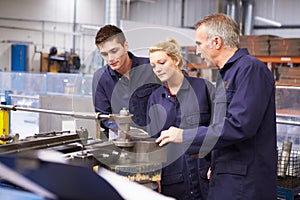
x: 140, y: 159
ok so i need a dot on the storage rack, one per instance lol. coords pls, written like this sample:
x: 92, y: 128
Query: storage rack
x: 288, y: 126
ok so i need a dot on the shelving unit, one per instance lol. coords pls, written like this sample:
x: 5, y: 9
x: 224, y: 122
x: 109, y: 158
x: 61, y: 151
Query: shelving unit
x: 267, y: 59
x: 284, y: 68
x: 279, y: 59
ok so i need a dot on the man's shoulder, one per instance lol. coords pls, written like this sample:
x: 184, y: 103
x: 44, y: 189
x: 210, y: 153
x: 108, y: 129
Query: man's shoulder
x: 195, y: 81
x: 101, y: 70
x: 201, y: 84
x: 139, y: 59
x: 143, y: 59
x: 99, y: 74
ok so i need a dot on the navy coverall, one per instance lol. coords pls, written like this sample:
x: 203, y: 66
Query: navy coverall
x: 243, y: 132
x: 183, y: 177
x: 112, y: 91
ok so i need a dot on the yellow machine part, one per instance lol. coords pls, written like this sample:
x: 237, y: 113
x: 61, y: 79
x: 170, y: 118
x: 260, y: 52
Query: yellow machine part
x: 4, y: 122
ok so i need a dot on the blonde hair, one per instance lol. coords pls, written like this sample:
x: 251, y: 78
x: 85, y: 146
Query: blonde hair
x: 171, y: 47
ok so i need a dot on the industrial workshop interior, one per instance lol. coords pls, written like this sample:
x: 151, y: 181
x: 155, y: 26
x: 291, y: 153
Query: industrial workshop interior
x: 56, y: 141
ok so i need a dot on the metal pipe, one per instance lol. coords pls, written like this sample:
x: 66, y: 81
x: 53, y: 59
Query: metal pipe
x: 284, y: 158
x: 240, y: 16
x: 96, y: 116
x: 287, y: 122
x: 107, y: 13
x: 74, y: 26
x: 287, y: 87
x: 128, y: 10
x: 23, y: 96
x: 39, y: 144
x: 292, y: 26
x: 112, y: 12
x: 43, y: 37
x: 32, y: 20
x: 220, y: 8
x: 231, y: 9
x: 268, y: 21
x: 248, y: 21
x: 182, y: 12
x: 38, y: 30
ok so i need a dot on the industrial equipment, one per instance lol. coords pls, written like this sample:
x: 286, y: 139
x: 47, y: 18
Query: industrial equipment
x: 138, y: 158
x: 288, y: 142
x: 64, y: 62
x: 4, y: 122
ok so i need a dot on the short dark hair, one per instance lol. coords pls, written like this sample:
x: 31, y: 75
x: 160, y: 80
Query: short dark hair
x: 193, y: 69
x: 108, y: 33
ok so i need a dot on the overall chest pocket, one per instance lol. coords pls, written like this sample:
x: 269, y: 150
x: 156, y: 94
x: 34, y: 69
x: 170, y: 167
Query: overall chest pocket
x: 141, y: 93
x: 190, y: 120
x: 172, y: 179
x: 231, y: 167
x: 195, y: 119
x: 229, y: 95
x: 231, y: 175
x: 138, y: 103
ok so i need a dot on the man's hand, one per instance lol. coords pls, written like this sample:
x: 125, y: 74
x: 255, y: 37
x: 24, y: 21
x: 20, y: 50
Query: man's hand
x: 173, y: 134
x: 208, y: 174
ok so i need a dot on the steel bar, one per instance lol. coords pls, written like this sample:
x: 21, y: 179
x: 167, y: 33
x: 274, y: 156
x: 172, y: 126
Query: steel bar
x: 39, y: 143
x: 97, y: 116
x: 288, y: 122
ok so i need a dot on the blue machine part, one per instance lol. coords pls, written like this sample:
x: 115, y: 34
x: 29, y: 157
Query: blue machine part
x: 18, y: 58
x: 288, y: 193
x: 64, y: 180
x: 12, y: 194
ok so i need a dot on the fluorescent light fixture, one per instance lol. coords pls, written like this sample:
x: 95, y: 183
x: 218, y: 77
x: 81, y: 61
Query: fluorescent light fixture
x: 90, y: 27
x: 268, y: 21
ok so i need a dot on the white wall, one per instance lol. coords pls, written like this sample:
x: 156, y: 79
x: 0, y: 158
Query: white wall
x: 48, y: 23
x: 141, y: 36
x: 284, y: 12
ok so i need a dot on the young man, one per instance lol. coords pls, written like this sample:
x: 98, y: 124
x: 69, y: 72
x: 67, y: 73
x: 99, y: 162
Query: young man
x: 126, y: 81
x: 242, y: 136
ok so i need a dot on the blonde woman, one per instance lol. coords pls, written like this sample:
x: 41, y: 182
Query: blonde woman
x: 183, y: 102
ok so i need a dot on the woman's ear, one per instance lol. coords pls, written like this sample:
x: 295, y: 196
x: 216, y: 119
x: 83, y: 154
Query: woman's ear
x: 177, y: 61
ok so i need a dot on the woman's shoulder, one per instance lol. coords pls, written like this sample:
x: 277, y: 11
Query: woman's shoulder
x: 157, y: 93
x: 200, y: 83
x: 194, y: 80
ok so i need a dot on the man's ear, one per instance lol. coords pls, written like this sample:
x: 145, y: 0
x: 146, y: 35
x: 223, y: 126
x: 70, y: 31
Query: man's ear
x: 126, y: 46
x: 218, y: 42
